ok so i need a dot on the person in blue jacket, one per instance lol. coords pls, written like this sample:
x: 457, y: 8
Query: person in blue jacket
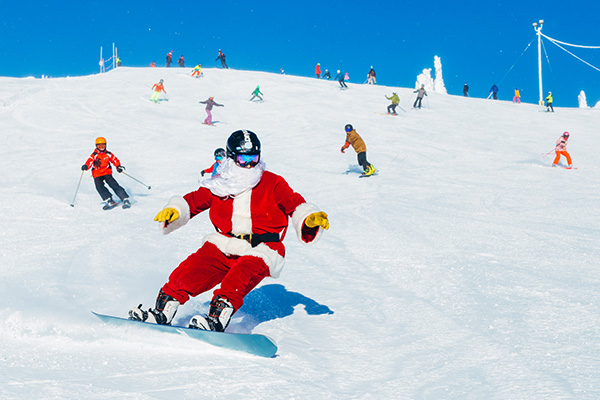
x: 494, y: 91
x: 219, y: 156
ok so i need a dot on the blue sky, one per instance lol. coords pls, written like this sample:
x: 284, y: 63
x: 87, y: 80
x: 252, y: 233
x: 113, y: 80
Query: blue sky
x: 477, y: 41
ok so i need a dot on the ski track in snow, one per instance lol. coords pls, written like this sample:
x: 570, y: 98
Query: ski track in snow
x: 463, y: 270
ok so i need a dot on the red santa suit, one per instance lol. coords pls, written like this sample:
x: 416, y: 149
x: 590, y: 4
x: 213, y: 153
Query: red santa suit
x: 258, y: 203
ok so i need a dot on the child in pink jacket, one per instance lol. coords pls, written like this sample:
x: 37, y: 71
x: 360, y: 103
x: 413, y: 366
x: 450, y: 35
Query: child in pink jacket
x: 561, y: 149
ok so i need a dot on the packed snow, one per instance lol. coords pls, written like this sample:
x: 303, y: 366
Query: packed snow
x: 466, y: 269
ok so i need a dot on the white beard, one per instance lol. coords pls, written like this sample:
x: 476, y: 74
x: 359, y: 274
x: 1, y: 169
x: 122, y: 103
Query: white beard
x: 231, y: 179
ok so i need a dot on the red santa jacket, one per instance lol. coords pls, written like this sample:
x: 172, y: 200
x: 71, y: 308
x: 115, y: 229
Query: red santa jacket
x: 101, y: 161
x: 266, y: 208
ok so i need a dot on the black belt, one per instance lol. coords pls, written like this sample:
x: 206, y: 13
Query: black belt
x: 257, y: 238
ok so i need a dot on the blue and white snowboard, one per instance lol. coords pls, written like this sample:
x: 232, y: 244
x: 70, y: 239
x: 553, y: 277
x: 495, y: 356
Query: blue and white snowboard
x: 258, y: 345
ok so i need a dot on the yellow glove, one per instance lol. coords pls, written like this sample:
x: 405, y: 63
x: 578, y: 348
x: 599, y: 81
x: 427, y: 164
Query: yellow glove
x: 317, y: 219
x: 167, y: 214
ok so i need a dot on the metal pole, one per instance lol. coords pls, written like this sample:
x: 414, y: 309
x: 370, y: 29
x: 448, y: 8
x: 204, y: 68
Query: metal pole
x: 101, y: 61
x: 538, y: 30
x: 113, y: 58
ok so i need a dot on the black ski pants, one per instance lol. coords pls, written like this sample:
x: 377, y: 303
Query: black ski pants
x: 342, y: 83
x: 362, y: 160
x: 392, y: 107
x: 418, y: 102
x: 99, y: 181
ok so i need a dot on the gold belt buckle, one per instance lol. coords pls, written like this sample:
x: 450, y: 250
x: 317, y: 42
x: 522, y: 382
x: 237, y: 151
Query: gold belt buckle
x: 247, y: 237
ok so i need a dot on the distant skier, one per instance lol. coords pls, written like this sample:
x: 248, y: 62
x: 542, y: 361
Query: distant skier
x: 421, y: 92
x: 549, y: 102
x: 494, y: 91
x: 371, y: 77
x: 466, y: 90
x: 100, y: 161
x: 250, y: 209
x: 157, y: 87
x: 181, y: 62
x: 346, y: 77
x: 318, y: 70
x: 153, y: 64
x: 256, y: 93
x: 219, y: 156
x: 119, y: 63
x: 395, y: 101
x: 340, y: 78
x: 222, y: 57
x: 169, y: 58
x: 197, y: 71
x: 210, y: 102
x: 353, y: 139
x: 517, y: 98
x: 327, y: 75
x: 561, y: 150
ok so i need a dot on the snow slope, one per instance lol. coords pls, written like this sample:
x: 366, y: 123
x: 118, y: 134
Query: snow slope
x: 467, y: 269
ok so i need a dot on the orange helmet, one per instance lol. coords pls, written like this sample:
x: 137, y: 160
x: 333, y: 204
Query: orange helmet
x: 100, y: 140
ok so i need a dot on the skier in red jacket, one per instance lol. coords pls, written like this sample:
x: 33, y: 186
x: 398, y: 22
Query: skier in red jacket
x: 101, y: 161
x: 250, y: 210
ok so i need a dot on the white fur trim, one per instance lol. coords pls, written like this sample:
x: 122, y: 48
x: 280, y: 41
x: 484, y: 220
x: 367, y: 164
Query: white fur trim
x: 178, y: 203
x: 237, y: 247
x: 241, y: 221
x: 298, y: 217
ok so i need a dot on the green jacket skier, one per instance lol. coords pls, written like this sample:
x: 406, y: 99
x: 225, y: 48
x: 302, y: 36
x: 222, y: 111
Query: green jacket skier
x: 395, y: 101
x: 256, y: 93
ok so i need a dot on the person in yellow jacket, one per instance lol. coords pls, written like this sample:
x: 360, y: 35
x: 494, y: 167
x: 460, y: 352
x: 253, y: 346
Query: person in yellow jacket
x: 549, y: 102
x: 353, y: 139
x: 197, y: 71
x: 517, y: 98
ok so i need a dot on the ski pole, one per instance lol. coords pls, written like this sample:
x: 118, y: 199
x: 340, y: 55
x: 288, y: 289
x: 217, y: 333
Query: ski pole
x: 137, y: 180
x: 77, y: 190
x: 550, y: 152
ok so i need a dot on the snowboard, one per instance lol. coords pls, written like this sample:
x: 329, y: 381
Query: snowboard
x: 256, y: 344
x: 367, y: 176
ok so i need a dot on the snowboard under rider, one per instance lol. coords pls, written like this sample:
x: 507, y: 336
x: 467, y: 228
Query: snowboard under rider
x: 100, y: 161
x: 561, y: 150
x: 250, y: 209
x: 353, y: 139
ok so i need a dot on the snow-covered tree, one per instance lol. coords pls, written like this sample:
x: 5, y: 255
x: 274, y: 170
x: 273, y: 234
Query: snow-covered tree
x: 438, y: 83
x: 425, y: 79
x: 582, y: 100
x: 432, y: 85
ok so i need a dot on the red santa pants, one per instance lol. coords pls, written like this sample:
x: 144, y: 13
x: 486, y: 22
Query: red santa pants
x: 564, y: 153
x: 208, y: 267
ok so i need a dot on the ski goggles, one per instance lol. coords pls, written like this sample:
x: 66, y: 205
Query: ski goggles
x: 247, y: 160
x: 218, y: 158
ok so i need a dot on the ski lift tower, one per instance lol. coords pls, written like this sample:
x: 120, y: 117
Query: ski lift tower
x: 537, y: 26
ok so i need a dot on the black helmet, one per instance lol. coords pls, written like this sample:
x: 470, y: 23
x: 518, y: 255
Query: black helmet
x: 241, y: 146
x: 220, y: 152
x: 348, y: 128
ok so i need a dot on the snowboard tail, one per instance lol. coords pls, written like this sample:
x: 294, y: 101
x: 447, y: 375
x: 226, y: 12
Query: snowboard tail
x: 258, y: 345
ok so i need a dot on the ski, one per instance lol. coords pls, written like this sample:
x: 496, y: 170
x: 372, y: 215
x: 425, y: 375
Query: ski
x: 108, y: 206
x: 251, y: 343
